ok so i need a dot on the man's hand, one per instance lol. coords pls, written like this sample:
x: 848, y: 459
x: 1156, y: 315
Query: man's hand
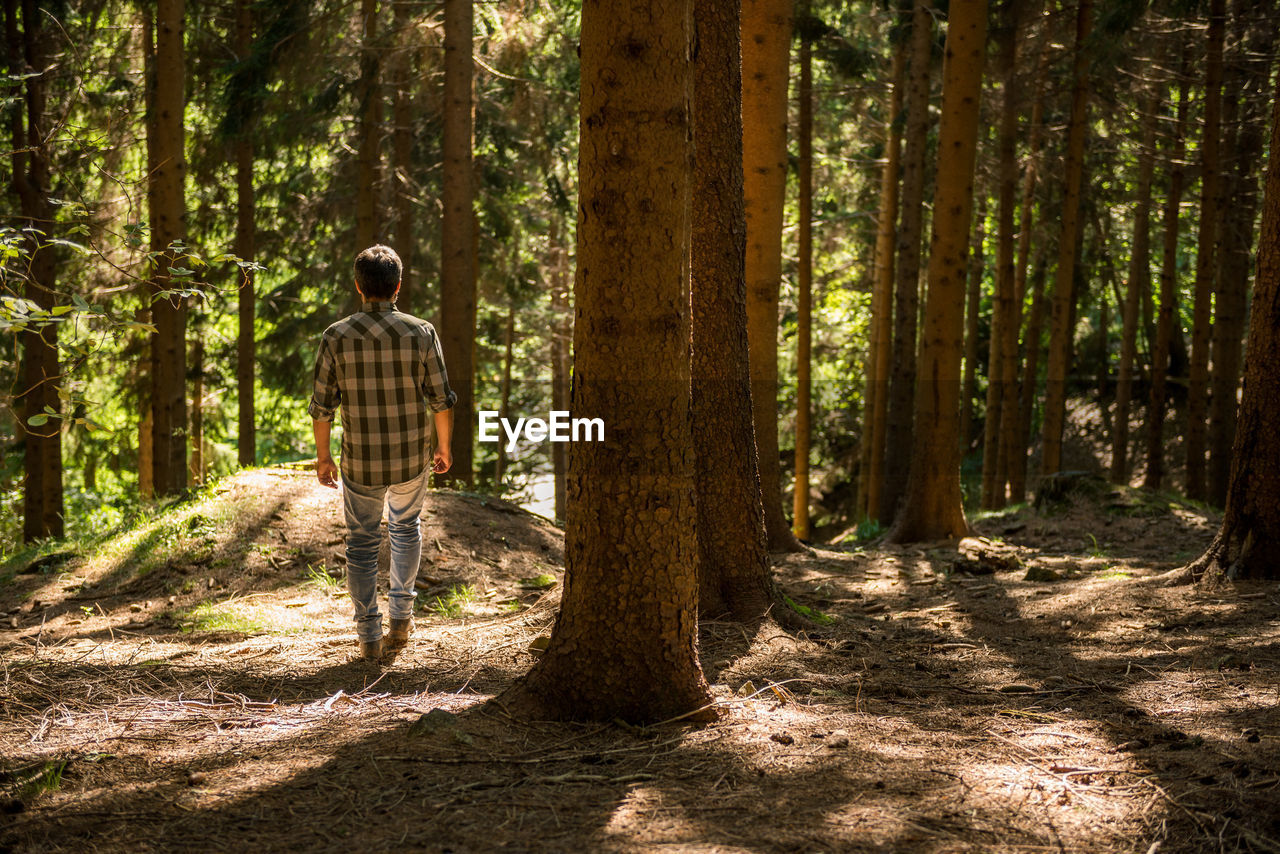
x: 443, y: 460
x: 327, y: 473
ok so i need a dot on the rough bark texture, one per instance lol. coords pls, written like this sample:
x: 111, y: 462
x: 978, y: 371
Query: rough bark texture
x: 245, y: 248
x: 733, y: 568
x: 1206, y: 248
x: 38, y: 378
x: 1061, y: 329
x: 368, y: 154
x: 1003, y: 314
x: 625, y: 642
x: 933, y: 507
x: 877, y: 395
x: 804, y: 284
x: 906, y: 303
x: 766, y: 46
x: 1167, y: 317
x: 168, y: 224
x: 1249, y: 539
x: 458, y: 234
x: 1139, y: 283
x: 402, y: 152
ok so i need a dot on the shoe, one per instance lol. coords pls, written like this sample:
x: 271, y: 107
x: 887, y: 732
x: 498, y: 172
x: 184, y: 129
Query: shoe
x: 398, y: 636
x: 371, y: 650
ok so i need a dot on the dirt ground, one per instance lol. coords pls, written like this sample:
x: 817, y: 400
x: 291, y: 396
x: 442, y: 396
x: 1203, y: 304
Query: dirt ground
x: 189, y: 685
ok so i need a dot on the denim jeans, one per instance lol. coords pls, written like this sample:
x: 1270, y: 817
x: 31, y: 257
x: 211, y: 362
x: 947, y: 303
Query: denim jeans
x: 362, y: 506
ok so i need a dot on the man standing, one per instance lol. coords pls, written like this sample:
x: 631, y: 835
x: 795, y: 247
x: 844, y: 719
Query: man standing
x: 386, y: 371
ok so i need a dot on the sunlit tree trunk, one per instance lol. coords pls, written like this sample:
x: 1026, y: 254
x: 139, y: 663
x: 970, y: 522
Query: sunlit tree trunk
x: 197, y: 461
x: 877, y: 396
x: 1166, y: 321
x: 1061, y: 328
x: 906, y: 304
x: 766, y: 46
x: 804, y: 284
x: 245, y: 249
x: 561, y: 340
x: 1138, y: 284
x: 36, y: 394
x: 1249, y: 539
x: 1033, y: 344
x: 368, y: 155
x: 500, y: 464
x: 402, y: 153
x: 1206, y: 247
x: 973, y: 303
x: 168, y: 224
x: 458, y: 234
x: 933, y: 507
x: 625, y: 642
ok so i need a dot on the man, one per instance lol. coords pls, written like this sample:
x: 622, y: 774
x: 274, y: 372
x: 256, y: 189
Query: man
x: 386, y: 371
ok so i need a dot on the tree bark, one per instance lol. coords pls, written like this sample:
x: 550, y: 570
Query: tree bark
x: 509, y: 337
x: 902, y: 381
x: 1206, y: 243
x: 1249, y: 539
x: 1030, y: 375
x: 561, y: 340
x: 933, y: 508
x: 197, y: 461
x: 168, y: 224
x: 368, y: 154
x: 1061, y: 329
x: 766, y: 45
x: 804, y: 284
x: 625, y: 641
x: 402, y: 151
x: 973, y: 304
x: 458, y: 234
x: 245, y: 249
x: 1166, y: 321
x: 877, y: 396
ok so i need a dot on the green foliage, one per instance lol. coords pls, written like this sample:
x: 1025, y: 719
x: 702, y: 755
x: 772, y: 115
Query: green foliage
x: 805, y: 611
x: 453, y: 604
x: 544, y: 581
x: 221, y: 617
x: 319, y: 576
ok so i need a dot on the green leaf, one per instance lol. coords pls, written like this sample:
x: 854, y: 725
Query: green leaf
x: 38, y: 420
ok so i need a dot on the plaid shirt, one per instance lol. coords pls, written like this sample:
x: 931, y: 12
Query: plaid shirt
x: 386, y: 371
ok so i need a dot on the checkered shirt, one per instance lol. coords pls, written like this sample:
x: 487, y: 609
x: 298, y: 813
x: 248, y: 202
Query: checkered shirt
x: 386, y: 371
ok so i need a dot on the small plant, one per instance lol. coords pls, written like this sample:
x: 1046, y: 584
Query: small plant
x: 220, y: 617
x: 545, y: 581
x: 454, y: 603
x: 804, y: 610
x: 1097, y: 550
x: 87, y: 610
x: 868, y: 529
x: 318, y: 576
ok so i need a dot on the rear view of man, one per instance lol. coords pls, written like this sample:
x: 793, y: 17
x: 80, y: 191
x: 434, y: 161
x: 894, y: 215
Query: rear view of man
x: 385, y: 370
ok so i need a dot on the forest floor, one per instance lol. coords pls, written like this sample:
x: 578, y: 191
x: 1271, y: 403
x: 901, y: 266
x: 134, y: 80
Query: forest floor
x: 188, y: 684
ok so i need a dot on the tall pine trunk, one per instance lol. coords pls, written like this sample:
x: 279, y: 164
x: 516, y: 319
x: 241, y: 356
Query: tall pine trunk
x: 933, y: 507
x: 245, y: 249
x: 766, y: 46
x: 1062, y: 328
x: 402, y: 153
x: 625, y: 641
x: 973, y: 305
x: 1206, y: 247
x: 509, y: 337
x: 561, y: 341
x: 906, y: 304
x: 458, y: 234
x: 368, y: 154
x: 804, y: 283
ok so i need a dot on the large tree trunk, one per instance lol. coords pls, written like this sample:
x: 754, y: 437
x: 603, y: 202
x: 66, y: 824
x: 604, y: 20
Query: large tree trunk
x: 402, y: 151
x: 877, y: 395
x: 368, y: 154
x: 804, y: 284
x: 933, y: 508
x: 733, y: 568
x: 766, y: 46
x: 1004, y: 315
x: 902, y: 380
x: 1206, y: 247
x: 1061, y: 329
x: 168, y: 224
x: 458, y: 234
x: 1249, y: 539
x: 245, y: 249
x: 1166, y: 321
x: 973, y: 305
x: 40, y: 374
x: 625, y: 642
x: 1139, y: 284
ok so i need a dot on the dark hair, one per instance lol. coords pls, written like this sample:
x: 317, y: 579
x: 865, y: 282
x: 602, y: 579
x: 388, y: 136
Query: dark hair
x: 378, y: 272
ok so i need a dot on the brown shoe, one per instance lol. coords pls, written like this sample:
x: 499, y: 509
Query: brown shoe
x: 398, y: 636
x: 371, y: 650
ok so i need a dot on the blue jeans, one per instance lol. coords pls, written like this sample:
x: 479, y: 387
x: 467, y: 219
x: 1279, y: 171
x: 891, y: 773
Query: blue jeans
x: 362, y: 506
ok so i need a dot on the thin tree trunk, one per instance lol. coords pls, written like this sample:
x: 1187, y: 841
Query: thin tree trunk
x: 500, y: 464
x: 368, y: 155
x: 1139, y: 284
x: 1030, y: 379
x: 197, y: 462
x: 1061, y: 329
x: 625, y: 641
x: 933, y: 508
x: 1206, y: 247
x: 877, y: 405
x: 402, y: 150
x: 973, y: 303
x: 168, y: 224
x: 804, y: 283
x: 245, y: 249
x: 766, y: 44
x: 1166, y: 322
x: 458, y: 231
x: 561, y: 339
x: 902, y: 380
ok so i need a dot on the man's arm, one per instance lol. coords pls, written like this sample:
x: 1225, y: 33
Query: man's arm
x: 326, y: 470
x: 444, y: 437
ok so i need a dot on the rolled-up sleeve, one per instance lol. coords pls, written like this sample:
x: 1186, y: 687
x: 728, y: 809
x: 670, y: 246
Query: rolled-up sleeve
x: 326, y: 396
x: 436, y: 388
